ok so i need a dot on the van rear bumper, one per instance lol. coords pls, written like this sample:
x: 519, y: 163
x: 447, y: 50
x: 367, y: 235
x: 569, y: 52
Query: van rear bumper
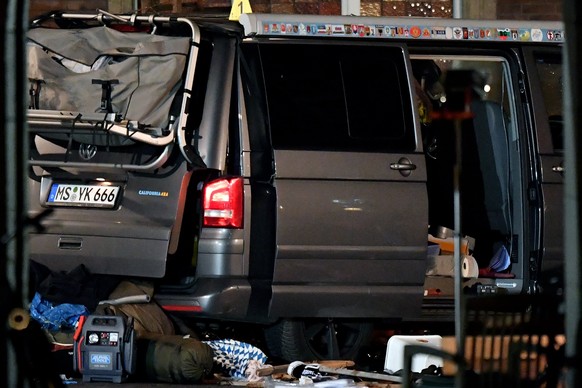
x: 230, y: 298
x: 220, y: 298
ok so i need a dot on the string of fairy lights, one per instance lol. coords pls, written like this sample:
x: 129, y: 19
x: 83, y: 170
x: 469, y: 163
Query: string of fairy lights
x: 428, y: 9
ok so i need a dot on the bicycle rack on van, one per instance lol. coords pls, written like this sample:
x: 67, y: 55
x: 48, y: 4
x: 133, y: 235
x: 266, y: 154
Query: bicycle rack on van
x: 51, y: 122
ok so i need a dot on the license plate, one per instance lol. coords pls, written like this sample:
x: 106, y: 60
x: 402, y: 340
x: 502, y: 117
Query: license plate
x: 66, y: 194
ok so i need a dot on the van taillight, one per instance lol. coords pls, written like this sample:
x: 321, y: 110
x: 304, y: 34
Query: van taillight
x: 223, y: 203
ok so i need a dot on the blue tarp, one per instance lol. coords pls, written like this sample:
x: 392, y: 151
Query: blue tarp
x: 54, y: 318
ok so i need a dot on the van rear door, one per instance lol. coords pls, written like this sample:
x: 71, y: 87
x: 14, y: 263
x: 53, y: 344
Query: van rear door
x: 107, y: 122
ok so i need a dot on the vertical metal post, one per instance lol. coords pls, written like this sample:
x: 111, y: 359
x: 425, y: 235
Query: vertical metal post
x: 351, y: 7
x: 459, y: 95
x: 459, y: 297
x: 572, y: 191
x: 4, y: 361
x: 457, y: 9
x: 13, y: 264
x: 15, y: 147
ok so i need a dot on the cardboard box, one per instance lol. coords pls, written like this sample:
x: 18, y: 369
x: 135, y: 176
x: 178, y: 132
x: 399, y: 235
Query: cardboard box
x: 447, y: 245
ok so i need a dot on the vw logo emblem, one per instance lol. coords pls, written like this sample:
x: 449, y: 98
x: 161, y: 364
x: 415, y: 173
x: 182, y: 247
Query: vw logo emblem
x: 87, y: 151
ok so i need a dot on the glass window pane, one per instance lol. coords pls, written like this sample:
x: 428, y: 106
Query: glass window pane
x: 338, y: 98
x: 550, y: 75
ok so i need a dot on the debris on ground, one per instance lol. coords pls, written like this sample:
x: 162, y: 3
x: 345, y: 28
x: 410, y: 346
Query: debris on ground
x: 162, y: 351
x: 323, y: 373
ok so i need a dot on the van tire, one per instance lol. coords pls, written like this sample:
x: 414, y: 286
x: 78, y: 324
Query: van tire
x: 293, y: 339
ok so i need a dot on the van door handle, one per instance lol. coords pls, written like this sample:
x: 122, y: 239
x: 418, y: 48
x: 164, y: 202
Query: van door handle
x: 558, y: 169
x: 403, y: 165
x: 400, y: 166
x: 75, y: 243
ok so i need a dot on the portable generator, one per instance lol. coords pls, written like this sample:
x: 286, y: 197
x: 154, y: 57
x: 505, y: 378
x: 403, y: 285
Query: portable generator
x: 104, y: 348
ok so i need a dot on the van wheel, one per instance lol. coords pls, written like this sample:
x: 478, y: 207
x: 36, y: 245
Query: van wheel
x: 308, y: 340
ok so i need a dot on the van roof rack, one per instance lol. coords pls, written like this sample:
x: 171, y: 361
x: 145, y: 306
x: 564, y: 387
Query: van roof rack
x: 401, y: 28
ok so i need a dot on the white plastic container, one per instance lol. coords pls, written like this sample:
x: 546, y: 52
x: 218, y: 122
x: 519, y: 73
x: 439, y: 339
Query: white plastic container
x: 395, y: 352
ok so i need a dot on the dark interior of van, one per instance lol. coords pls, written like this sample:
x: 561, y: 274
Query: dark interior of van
x: 484, y: 178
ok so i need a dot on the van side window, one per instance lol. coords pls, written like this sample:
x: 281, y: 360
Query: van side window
x: 550, y: 74
x: 338, y: 97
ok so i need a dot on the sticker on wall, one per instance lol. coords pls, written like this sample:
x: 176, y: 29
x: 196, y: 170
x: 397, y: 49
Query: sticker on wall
x: 439, y: 33
x: 503, y: 33
x: 555, y: 35
x: 384, y: 31
x: 457, y: 33
x: 550, y: 35
x: 524, y: 35
x: 415, y: 31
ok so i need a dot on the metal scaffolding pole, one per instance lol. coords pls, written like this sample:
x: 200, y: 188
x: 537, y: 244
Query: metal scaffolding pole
x: 572, y: 189
x: 4, y: 361
x: 351, y: 7
x: 457, y: 9
x: 13, y: 148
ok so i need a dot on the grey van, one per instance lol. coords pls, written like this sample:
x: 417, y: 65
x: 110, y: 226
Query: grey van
x: 298, y: 171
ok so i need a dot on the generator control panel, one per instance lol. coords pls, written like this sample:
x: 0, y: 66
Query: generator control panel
x: 105, y: 349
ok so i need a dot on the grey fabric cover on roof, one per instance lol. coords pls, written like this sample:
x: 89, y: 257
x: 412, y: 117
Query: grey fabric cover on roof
x: 148, y: 68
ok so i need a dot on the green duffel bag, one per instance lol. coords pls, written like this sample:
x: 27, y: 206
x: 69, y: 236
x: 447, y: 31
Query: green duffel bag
x: 173, y: 358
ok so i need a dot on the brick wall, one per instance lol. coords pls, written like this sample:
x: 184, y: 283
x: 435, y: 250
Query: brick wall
x: 529, y: 9
x: 435, y: 8
x: 38, y: 7
x: 515, y: 9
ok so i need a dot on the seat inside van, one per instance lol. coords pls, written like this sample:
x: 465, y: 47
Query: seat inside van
x: 485, y: 169
x: 490, y: 133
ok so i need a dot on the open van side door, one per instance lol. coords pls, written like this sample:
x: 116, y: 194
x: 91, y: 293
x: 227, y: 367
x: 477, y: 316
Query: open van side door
x: 544, y: 67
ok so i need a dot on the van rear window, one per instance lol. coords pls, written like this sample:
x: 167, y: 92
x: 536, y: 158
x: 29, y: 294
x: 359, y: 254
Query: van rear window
x: 336, y: 97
